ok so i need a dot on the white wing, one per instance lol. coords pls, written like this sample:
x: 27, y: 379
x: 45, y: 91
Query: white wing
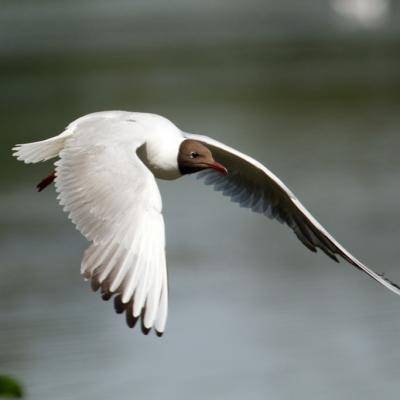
x: 114, y: 201
x: 253, y: 186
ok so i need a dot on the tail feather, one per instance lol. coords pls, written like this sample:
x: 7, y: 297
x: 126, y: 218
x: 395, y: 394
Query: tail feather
x: 39, y: 151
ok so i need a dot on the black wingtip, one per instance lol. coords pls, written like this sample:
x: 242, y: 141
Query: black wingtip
x: 382, y: 275
x: 107, y: 295
x: 145, y: 330
x: 119, y: 306
x: 131, y: 321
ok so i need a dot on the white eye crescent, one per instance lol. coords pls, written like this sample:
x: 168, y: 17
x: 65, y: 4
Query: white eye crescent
x: 194, y: 154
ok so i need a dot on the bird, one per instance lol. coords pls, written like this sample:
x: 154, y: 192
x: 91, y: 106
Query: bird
x: 105, y: 177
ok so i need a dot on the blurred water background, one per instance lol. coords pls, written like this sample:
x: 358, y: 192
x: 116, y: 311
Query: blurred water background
x: 309, y: 90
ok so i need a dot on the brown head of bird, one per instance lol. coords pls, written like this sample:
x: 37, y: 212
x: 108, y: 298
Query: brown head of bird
x: 193, y: 157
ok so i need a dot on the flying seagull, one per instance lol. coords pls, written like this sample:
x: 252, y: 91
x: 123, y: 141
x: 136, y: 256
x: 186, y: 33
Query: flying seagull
x: 105, y: 179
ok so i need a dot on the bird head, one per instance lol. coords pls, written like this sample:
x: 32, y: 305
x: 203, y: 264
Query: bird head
x: 193, y: 156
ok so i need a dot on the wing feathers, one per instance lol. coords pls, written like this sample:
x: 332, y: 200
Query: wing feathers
x: 114, y: 201
x: 253, y: 186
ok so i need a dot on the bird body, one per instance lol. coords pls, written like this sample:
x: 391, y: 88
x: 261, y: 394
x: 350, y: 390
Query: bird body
x: 105, y: 179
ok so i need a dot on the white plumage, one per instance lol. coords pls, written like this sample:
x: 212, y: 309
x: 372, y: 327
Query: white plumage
x: 105, y: 179
x: 113, y: 199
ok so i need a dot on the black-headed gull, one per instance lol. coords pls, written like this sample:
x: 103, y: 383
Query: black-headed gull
x: 105, y: 179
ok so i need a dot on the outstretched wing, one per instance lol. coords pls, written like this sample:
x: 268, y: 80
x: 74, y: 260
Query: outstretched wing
x: 114, y: 201
x: 253, y: 186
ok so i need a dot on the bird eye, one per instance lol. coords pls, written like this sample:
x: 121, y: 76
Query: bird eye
x: 194, y: 154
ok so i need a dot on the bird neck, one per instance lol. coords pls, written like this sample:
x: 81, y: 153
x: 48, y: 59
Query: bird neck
x: 161, y: 156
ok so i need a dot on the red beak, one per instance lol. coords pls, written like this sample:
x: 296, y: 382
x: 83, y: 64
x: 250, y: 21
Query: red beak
x: 218, y: 167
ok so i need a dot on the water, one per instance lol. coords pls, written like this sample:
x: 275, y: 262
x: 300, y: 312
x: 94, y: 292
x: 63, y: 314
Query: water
x: 253, y: 314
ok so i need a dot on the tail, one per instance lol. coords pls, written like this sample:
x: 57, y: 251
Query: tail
x: 39, y: 151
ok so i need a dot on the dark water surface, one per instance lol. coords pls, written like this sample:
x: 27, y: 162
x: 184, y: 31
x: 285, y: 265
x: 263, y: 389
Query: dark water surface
x: 253, y: 314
